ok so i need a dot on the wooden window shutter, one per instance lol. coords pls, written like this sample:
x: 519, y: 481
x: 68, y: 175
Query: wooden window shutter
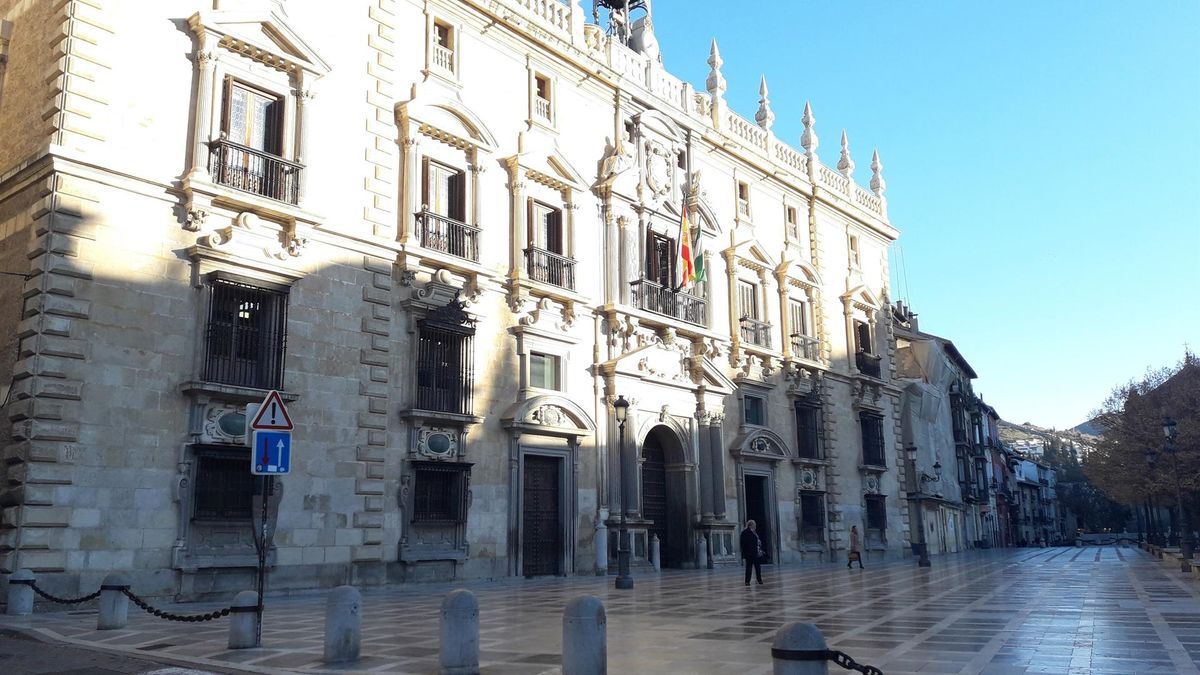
x: 425, y: 179
x: 458, y: 196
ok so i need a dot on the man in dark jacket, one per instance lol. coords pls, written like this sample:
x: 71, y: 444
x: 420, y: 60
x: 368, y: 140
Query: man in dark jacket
x: 752, y: 551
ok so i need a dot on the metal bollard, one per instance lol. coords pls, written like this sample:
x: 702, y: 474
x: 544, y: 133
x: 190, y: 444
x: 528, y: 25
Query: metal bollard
x: 20, y: 593
x: 343, y: 625
x: 585, y: 637
x: 791, y: 643
x: 702, y: 563
x: 114, y: 604
x: 655, y: 552
x: 243, y: 620
x: 459, y: 653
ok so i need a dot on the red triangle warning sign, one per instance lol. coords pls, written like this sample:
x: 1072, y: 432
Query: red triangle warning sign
x: 272, y: 415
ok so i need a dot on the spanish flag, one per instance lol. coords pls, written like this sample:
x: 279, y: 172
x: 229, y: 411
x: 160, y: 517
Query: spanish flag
x: 685, y: 268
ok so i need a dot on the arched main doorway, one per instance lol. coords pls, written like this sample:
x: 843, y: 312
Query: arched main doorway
x: 664, y: 494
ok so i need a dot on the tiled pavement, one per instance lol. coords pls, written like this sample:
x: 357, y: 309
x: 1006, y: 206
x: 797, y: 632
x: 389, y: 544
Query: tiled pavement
x: 1058, y: 610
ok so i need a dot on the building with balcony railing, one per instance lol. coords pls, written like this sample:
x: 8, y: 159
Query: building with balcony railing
x: 450, y: 264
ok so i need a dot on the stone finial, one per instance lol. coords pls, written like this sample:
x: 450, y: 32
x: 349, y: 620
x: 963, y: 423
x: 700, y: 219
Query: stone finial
x: 765, y: 116
x: 716, y: 81
x: 809, y: 140
x: 878, y: 184
x: 846, y: 163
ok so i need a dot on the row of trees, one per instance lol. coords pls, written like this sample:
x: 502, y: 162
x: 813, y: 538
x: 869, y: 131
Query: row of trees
x: 1130, y: 463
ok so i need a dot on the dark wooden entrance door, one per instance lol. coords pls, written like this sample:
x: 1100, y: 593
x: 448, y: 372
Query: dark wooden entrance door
x: 758, y: 509
x: 654, y: 494
x: 541, y: 546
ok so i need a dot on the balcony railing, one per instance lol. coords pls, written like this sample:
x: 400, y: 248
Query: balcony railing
x: 743, y: 207
x: 443, y: 58
x: 868, y: 364
x: 659, y: 299
x: 541, y: 106
x: 806, y: 347
x: 756, y: 332
x: 550, y: 268
x: 439, y: 233
x: 244, y: 168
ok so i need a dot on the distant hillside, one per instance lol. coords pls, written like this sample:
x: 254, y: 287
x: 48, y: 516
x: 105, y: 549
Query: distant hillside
x: 1089, y: 428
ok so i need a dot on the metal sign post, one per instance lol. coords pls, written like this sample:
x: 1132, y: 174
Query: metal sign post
x: 270, y: 454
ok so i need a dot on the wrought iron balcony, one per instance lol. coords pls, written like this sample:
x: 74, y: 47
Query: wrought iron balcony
x: 868, y: 364
x: 806, y: 347
x: 756, y: 332
x: 654, y: 297
x: 439, y: 233
x: 261, y: 173
x: 550, y: 268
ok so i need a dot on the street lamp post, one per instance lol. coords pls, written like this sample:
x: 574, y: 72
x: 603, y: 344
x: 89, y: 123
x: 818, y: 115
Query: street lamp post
x: 1185, y: 532
x: 624, y: 581
x: 918, y: 482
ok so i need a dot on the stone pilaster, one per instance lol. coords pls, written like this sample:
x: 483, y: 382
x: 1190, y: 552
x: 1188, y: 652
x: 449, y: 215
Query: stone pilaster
x: 380, y: 154
x: 77, y: 108
x: 374, y: 383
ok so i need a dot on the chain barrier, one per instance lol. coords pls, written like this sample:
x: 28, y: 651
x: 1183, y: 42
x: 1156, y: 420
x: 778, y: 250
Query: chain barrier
x: 841, y: 658
x: 54, y: 598
x: 188, y: 618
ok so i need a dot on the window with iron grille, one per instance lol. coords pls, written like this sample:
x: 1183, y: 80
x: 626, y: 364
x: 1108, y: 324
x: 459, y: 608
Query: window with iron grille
x: 223, y: 484
x: 871, y: 426
x: 439, y: 492
x: 876, y: 519
x: 445, y: 362
x: 246, y: 333
x: 808, y: 431
x: 812, y: 517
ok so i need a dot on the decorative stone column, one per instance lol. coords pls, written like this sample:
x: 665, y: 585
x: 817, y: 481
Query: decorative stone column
x: 704, y: 459
x: 206, y: 68
x: 717, y: 464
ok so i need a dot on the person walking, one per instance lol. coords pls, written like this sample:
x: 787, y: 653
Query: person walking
x: 855, y: 549
x: 752, y: 551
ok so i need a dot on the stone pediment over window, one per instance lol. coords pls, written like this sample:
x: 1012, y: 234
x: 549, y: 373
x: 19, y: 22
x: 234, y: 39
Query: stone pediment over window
x: 760, y: 444
x: 539, y: 160
x: 261, y: 35
x: 445, y: 119
x: 549, y: 416
x: 862, y: 299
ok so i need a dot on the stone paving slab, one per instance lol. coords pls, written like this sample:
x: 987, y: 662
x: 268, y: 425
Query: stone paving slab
x: 1002, y: 612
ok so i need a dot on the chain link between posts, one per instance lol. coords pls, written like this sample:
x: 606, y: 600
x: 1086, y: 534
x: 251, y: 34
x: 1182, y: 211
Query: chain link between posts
x: 841, y: 658
x: 189, y: 618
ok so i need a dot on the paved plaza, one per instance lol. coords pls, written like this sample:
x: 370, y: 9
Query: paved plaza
x: 1057, y: 610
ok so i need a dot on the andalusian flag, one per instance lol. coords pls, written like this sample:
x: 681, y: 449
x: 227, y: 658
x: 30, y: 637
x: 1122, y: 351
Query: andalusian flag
x: 689, y: 265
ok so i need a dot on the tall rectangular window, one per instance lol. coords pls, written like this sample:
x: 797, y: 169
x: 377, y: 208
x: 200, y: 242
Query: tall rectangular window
x: 799, y: 316
x: 748, y: 300
x: 660, y: 263
x: 547, y: 228
x: 792, y: 218
x: 808, y: 431
x: 871, y: 427
x: 862, y: 337
x: 253, y: 118
x: 544, y: 371
x: 876, y: 520
x: 743, y: 199
x: 855, y: 258
x: 542, y: 104
x: 445, y: 191
x: 812, y: 517
x: 443, y: 46
x: 246, y: 333
x: 755, y: 410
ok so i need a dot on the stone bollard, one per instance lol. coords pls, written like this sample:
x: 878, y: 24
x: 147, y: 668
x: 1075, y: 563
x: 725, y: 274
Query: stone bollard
x: 601, y: 539
x: 459, y: 634
x: 343, y: 625
x: 20, y: 593
x: 114, y: 604
x: 655, y: 552
x: 798, y: 637
x: 702, y: 562
x: 243, y: 621
x: 585, y: 637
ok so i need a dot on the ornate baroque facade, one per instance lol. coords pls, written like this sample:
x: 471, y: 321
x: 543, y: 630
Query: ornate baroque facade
x: 446, y: 232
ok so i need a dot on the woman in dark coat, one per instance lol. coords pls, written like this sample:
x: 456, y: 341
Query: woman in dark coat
x: 752, y: 551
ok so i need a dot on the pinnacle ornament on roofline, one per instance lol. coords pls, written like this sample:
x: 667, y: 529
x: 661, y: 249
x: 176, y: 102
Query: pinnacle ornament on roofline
x: 716, y: 81
x: 765, y: 116
x: 846, y: 163
x: 809, y: 140
x: 878, y: 184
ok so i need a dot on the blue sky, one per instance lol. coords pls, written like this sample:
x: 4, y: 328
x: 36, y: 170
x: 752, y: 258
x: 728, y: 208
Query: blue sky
x: 1042, y: 160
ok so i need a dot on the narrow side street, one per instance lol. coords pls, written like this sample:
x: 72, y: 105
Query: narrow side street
x: 1055, y: 610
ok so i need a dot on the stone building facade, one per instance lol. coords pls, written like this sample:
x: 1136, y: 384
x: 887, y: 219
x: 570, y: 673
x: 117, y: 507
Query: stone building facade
x: 446, y: 231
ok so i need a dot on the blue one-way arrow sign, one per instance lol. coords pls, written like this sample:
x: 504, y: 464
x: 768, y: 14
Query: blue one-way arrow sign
x: 271, y: 453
